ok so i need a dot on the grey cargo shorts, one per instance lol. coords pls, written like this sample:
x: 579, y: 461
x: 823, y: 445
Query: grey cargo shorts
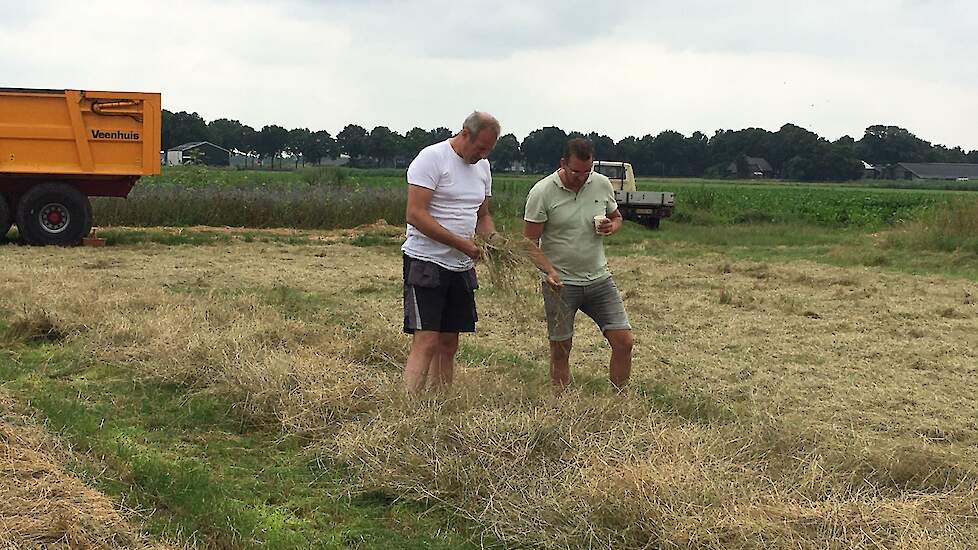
x: 600, y: 301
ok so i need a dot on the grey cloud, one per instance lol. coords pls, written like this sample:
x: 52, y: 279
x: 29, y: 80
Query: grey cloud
x: 479, y: 30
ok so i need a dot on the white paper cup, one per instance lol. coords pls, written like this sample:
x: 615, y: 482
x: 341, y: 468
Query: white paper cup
x: 598, y: 220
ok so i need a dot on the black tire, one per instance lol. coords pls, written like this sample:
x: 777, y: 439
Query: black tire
x: 54, y: 214
x: 5, y: 219
x: 652, y: 223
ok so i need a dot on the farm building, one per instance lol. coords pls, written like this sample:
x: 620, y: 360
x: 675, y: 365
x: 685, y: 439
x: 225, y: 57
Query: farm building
x: 756, y: 168
x: 869, y: 171
x: 933, y: 171
x: 198, y: 152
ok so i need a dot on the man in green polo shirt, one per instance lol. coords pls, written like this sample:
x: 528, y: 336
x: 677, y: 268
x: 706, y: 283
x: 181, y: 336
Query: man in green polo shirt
x: 567, y: 215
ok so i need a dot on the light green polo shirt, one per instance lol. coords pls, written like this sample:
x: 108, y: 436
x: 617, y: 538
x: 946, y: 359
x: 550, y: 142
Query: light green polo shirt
x: 569, y: 240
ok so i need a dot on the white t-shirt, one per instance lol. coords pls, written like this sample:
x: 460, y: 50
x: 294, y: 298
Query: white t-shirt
x: 459, y: 189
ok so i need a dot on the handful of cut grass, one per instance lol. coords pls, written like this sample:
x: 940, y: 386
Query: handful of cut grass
x: 507, y: 261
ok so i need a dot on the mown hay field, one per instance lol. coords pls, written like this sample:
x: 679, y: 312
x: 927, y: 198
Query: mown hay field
x: 788, y: 404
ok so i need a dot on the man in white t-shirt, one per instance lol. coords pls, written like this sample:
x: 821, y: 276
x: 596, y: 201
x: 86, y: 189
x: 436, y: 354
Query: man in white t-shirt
x: 449, y: 185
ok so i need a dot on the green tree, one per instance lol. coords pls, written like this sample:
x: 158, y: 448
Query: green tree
x: 296, y: 142
x: 604, y: 146
x: 542, y: 148
x: 669, y: 154
x: 727, y: 146
x: 383, y: 144
x: 317, y: 146
x: 628, y: 149
x: 644, y: 161
x: 249, y: 140
x: 697, y: 153
x: 942, y: 153
x: 506, y: 153
x: 890, y: 145
x: 439, y: 135
x: 352, y: 140
x: 825, y: 162
x: 847, y: 143
x: 788, y: 142
x: 414, y: 141
x: 226, y: 133
x: 179, y: 128
x: 272, y: 140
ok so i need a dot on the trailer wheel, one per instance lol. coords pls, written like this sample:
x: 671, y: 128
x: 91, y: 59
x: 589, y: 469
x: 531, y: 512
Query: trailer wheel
x: 652, y: 223
x: 5, y: 219
x: 54, y: 214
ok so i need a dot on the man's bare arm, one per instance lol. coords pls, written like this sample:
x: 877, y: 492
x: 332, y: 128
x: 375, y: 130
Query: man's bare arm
x: 484, y: 225
x: 531, y: 234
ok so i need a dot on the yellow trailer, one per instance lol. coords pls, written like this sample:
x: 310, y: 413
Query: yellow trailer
x: 59, y: 147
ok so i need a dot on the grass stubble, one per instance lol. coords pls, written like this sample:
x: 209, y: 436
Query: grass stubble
x: 775, y: 406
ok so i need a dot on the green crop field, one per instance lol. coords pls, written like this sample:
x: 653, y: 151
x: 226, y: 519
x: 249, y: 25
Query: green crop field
x: 328, y: 198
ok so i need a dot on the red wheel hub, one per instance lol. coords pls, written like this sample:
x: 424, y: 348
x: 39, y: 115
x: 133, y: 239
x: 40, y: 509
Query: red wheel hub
x: 54, y: 217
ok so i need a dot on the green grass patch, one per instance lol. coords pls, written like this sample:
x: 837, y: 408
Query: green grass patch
x: 369, y: 240
x: 760, y: 242
x: 296, y: 304
x: 196, y: 237
x: 688, y: 404
x: 291, y: 303
x: 843, y: 247
x: 116, y: 237
x: 531, y: 373
x: 951, y: 228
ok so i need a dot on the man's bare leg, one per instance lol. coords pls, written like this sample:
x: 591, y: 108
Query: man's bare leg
x: 441, y: 371
x: 620, y: 368
x: 560, y: 363
x: 424, y: 346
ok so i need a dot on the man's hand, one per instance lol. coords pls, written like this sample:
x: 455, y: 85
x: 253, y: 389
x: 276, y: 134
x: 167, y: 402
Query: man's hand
x: 469, y: 248
x: 553, y: 279
x: 608, y: 226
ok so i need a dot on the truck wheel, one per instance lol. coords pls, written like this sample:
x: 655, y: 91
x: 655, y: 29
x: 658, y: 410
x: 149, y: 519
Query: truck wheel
x: 652, y: 223
x: 5, y: 219
x: 54, y: 213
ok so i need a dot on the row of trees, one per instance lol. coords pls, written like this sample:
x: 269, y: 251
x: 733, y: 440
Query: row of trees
x: 792, y: 151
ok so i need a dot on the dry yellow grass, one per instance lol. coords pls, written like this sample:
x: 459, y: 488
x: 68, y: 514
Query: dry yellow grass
x: 506, y: 262
x: 849, y: 410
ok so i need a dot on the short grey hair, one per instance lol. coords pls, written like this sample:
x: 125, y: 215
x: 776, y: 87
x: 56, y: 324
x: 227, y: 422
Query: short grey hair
x: 479, y: 121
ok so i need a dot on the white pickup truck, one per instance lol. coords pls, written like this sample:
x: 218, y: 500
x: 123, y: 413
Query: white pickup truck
x: 644, y: 207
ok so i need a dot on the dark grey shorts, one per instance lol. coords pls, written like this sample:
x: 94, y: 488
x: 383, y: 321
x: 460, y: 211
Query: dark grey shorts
x: 599, y: 301
x: 437, y: 299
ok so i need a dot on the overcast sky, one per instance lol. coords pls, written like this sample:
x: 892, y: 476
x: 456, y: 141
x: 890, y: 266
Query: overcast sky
x: 619, y: 68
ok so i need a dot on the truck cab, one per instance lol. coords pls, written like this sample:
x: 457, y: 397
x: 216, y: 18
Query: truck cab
x: 644, y: 207
x: 620, y: 173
